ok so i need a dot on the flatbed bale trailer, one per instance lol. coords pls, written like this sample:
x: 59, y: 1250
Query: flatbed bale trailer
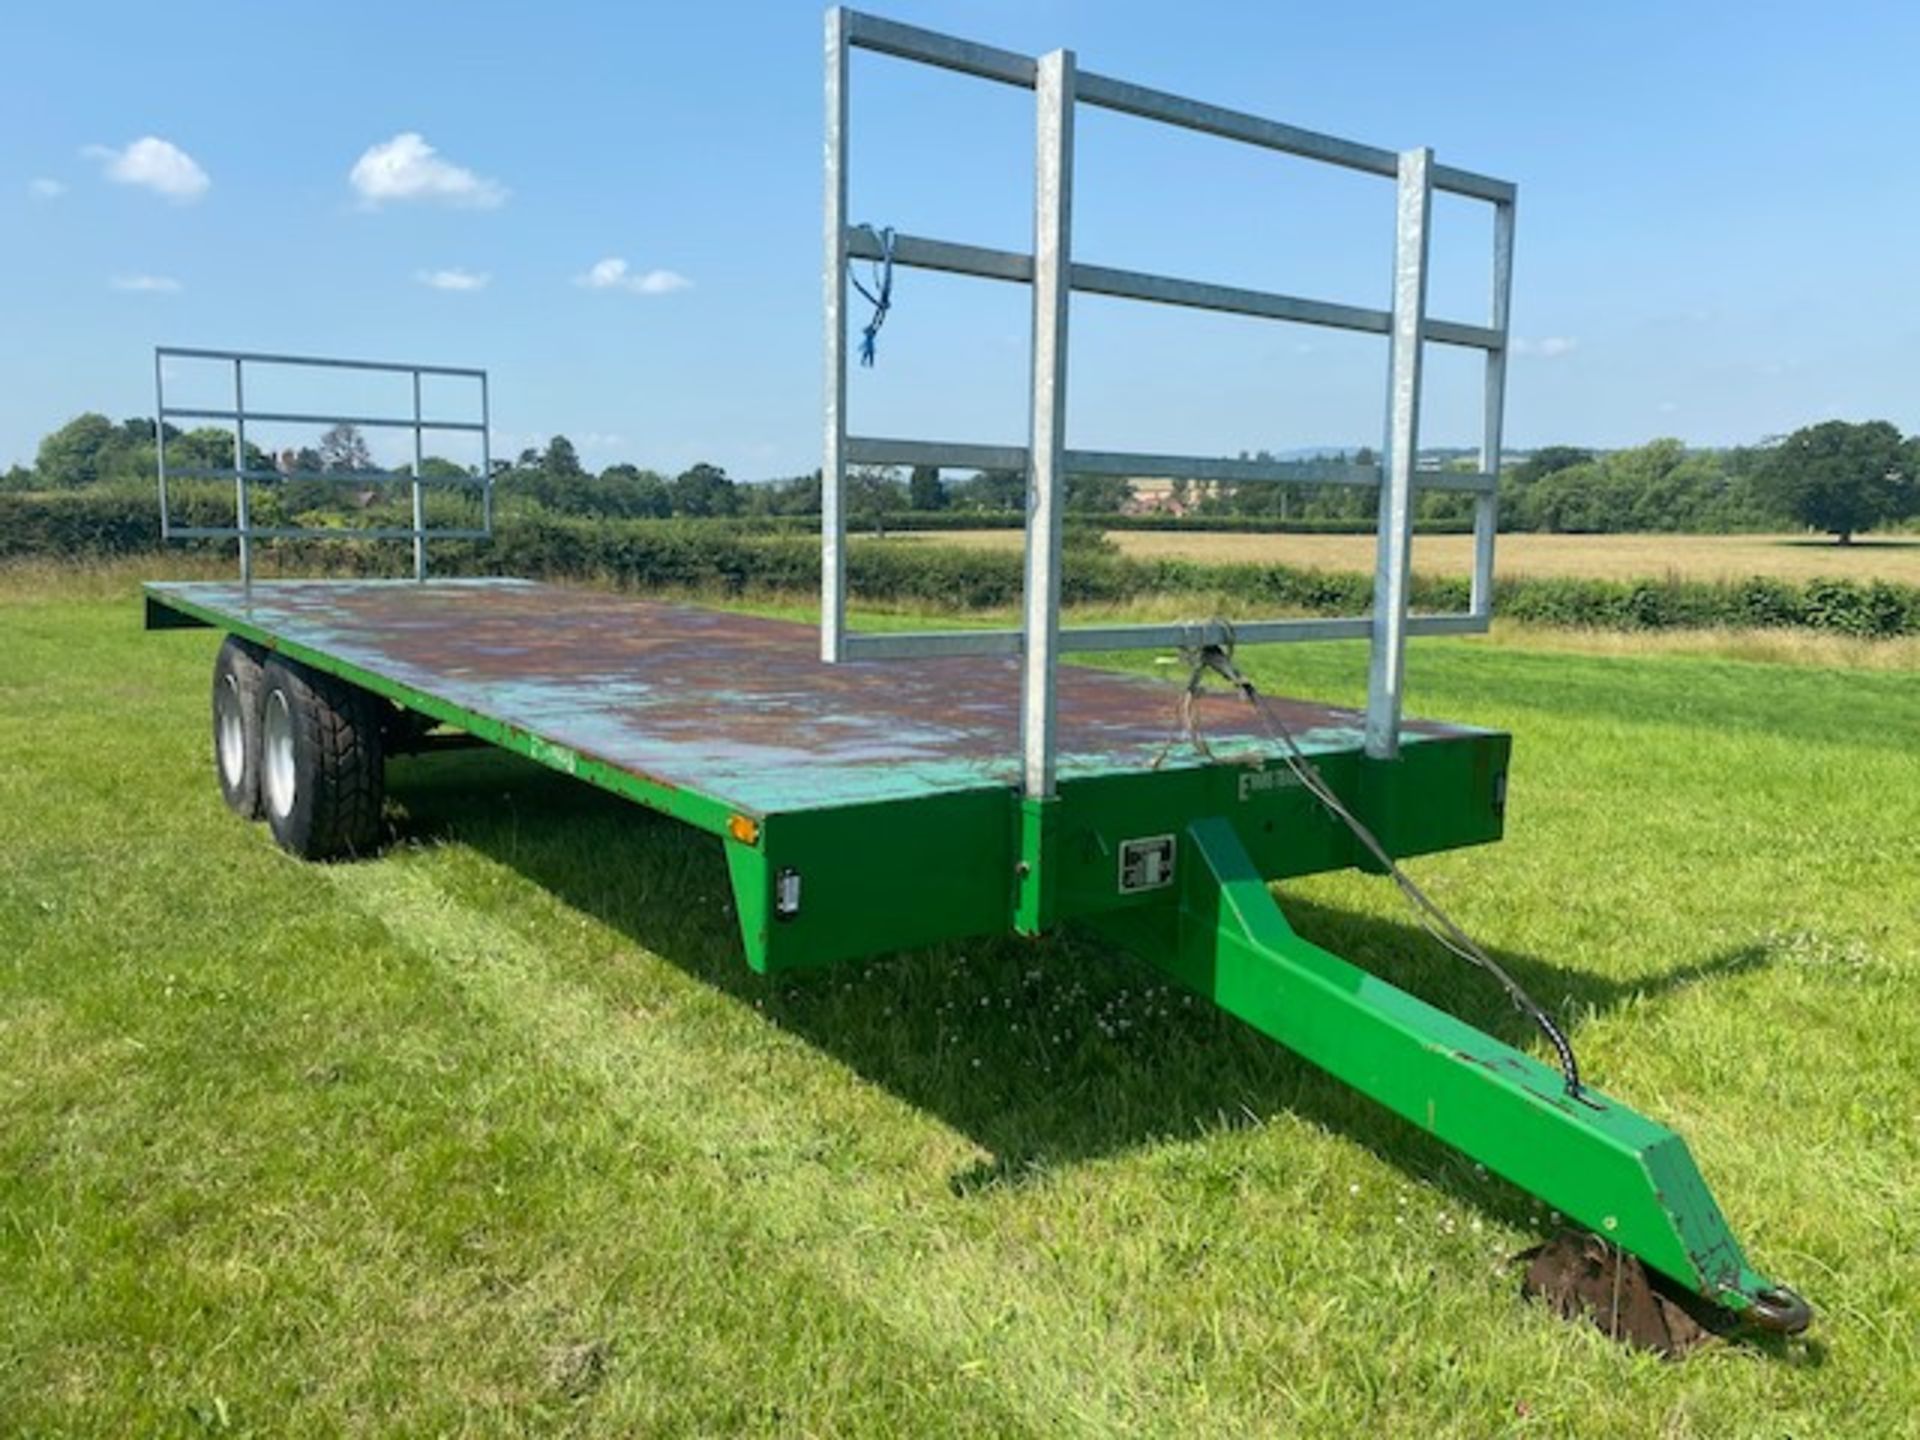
x: 865, y: 807
x: 875, y: 792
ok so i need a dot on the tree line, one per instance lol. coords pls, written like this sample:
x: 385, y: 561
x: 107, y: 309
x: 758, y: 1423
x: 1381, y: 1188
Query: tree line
x: 1837, y: 477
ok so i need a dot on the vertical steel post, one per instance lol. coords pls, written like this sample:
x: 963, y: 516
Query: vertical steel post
x: 486, y: 459
x: 242, y: 520
x: 1387, y: 665
x: 833, y: 459
x: 1046, y: 480
x: 419, y: 489
x: 160, y: 439
x: 1486, y: 508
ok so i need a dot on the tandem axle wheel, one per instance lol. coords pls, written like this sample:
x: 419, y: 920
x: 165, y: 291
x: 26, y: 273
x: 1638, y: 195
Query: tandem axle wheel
x: 301, y: 749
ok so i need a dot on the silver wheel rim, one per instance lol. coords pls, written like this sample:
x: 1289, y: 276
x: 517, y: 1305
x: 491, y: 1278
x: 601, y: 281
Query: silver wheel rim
x: 230, y: 732
x: 276, y: 754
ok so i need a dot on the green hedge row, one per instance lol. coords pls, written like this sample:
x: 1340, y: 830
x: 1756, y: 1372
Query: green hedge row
x: 911, y: 521
x: 916, y: 520
x: 1874, y: 609
x: 735, y: 559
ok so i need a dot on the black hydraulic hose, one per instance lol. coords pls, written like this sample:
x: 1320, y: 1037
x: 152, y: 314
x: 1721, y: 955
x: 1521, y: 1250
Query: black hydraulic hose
x: 1436, y: 922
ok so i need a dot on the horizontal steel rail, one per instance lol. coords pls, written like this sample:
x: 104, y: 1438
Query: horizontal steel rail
x: 910, y: 42
x: 277, y: 417
x: 322, y: 362
x: 955, y: 455
x: 956, y: 259
x: 930, y: 47
x: 1225, y: 299
x: 980, y: 262
x: 1136, y: 465
x: 941, y: 643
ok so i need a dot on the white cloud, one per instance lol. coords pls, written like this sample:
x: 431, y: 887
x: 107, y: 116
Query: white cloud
x: 1547, y: 347
x: 154, y: 164
x: 147, y: 284
x: 42, y: 188
x: 453, y: 279
x: 408, y: 168
x: 613, y: 273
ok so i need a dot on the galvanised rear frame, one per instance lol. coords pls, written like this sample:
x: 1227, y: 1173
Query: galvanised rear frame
x: 1060, y: 87
x: 864, y: 807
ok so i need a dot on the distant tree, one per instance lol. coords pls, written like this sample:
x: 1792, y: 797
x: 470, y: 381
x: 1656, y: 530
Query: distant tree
x: 436, y: 467
x: 73, y: 456
x: 344, y: 450
x: 19, y: 478
x: 1548, y: 460
x: 1659, y: 486
x: 704, y: 490
x: 1100, y: 494
x: 1520, y: 483
x: 992, y: 490
x: 924, y: 490
x: 561, y: 458
x: 798, y: 496
x: 1842, y: 477
x: 298, y: 496
x: 873, y: 493
x: 629, y: 491
x: 207, y: 448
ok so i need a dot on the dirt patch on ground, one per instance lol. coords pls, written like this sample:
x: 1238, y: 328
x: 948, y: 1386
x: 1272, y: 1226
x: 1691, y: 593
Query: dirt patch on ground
x: 1582, y: 1276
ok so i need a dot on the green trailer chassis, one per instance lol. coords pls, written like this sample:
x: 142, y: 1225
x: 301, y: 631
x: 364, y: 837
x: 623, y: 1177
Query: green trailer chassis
x: 1171, y: 862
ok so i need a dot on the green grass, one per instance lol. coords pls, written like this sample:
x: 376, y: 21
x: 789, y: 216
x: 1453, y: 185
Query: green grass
x: 497, y: 1134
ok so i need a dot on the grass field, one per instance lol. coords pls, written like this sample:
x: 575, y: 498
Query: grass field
x: 1599, y: 557
x: 497, y: 1134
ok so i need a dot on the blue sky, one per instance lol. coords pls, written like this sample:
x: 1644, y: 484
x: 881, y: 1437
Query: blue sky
x: 1718, y: 208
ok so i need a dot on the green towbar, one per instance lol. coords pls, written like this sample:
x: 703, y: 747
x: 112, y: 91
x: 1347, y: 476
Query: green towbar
x: 1623, y: 1176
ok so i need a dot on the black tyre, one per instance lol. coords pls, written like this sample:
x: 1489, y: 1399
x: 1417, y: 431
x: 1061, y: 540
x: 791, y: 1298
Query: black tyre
x: 237, y: 674
x: 322, y: 770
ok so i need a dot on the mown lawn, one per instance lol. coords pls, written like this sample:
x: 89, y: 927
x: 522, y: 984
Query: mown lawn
x: 496, y: 1133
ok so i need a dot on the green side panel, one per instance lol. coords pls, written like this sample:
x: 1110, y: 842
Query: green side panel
x: 877, y: 877
x: 1625, y: 1177
x: 893, y: 874
x: 1441, y: 793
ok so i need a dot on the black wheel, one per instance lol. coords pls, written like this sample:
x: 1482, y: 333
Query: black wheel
x: 236, y: 726
x: 322, y: 771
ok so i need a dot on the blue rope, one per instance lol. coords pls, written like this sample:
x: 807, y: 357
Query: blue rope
x: 881, y: 296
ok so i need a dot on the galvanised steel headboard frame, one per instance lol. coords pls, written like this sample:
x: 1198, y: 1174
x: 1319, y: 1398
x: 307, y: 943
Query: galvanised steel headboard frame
x: 243, y: 529
x: 1058, y: 85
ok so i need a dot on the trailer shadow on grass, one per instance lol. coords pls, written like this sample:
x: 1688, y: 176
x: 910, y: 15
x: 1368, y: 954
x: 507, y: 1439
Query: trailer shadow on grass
x: 1044, y: 1053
